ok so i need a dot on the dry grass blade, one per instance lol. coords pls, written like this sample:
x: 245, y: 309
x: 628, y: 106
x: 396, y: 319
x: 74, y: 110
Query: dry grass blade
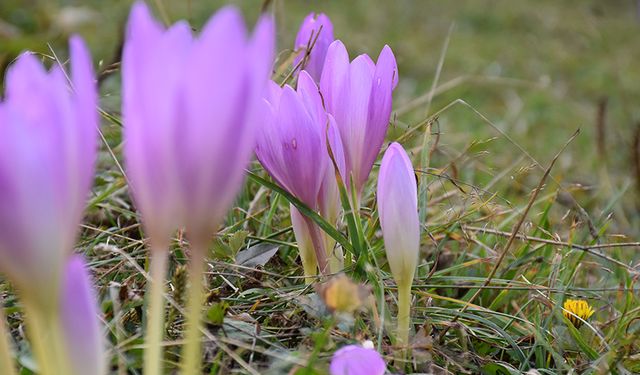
x: 586, y: 248
x: 514, y: 234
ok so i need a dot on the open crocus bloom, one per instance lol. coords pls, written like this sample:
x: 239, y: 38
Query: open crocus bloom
x: 190, y: 108
x: 316, y: 32
x: 48, y: 134
x: 292, y: 147
x: 358, y: 95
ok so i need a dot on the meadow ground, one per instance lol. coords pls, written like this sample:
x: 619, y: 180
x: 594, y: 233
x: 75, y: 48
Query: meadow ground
x: 490, y: 92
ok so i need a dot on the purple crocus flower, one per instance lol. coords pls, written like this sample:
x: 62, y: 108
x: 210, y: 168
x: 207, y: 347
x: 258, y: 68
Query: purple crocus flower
x: 190, y: 108
x: 80, y: 323
x: 292, y: 147
x: 398, y: 212
x: 316, y: 31
x: 356, y: 360
x: 358, y: 95
x: 48, y: 144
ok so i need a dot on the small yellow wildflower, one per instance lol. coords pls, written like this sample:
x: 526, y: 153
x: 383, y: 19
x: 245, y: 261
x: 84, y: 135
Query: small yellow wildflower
x: 577, y: 307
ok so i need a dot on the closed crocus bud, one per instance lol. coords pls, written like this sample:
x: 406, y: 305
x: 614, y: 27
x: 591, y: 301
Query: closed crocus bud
x: 358, y: 95
x: 316, y: 32
x: 398, y: 212
x: 48, y: 144
x: 80, y: 322
x: 292, y: 147
x: 190, y: 109
x: 356, y: 360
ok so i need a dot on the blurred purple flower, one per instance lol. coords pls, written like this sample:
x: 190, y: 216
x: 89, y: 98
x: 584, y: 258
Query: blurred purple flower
x: 356, y: 360
x: 190, y: 108
x: 80, y: 323
x: 316, y: 31
x: 292, y: 147
x: 358, y: 95
x: 48, y: 147
x: 398, y: 212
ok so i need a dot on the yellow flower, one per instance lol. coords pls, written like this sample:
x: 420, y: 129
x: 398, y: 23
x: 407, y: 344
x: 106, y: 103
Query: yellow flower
x: 579, y: 308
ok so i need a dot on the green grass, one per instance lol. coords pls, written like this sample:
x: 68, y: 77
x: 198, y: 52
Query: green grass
x: 517, y: 80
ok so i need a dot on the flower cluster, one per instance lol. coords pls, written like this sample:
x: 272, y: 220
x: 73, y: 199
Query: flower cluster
x: 195, y: 108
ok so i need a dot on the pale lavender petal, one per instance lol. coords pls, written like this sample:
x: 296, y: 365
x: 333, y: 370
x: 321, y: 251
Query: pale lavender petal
x: 214, y: 106
x: 334, y: 76
x: 153, y: 64
x: 398, y: 212
x: 310, y: 94
x: 273, y: 94
x: 86, y: 116
x: 80, y: 321
x: 352, y: 117
x: 329, y: 196
x: 356, y: 360
x: 318, y: 28
x: 385, y: 77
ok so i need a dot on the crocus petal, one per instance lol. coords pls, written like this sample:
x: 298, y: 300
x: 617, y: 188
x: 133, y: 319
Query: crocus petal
x: 352, y: 120
x: 398, y: 212
x: 153, y: 63
x: 329, y: 196
x: 385, y: 78
x: 47, y: 153
x: 316, y: 28
x: 359, y: 96
x: 310, y: 94
x: 80, y: 322
x: 336, y: 68
x: 356, y: 360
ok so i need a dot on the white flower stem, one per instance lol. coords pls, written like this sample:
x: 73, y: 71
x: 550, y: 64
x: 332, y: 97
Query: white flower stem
x: 318, y: 246
x: 310, y: 268
x: 47, y: 340
x: 191, y: 352
x: 404, y: 315
x: 155, y: 313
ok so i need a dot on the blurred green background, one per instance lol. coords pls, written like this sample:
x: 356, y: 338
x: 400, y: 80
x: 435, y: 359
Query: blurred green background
x: 538, y: 70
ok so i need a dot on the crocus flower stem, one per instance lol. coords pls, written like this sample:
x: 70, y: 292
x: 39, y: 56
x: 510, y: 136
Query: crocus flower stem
x: 404, y: 316
x: 318, y: 246
x: 191, y: 353
x: 305, y: 245
x: 155, y: 317
x: 46, y: 338
x: 6, y: 358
